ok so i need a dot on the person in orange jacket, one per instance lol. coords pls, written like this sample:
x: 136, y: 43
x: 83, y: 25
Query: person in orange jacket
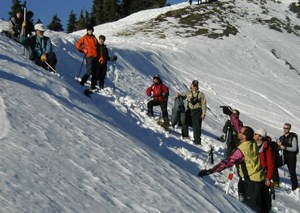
x: 159, y: 93
x: 88, y: 45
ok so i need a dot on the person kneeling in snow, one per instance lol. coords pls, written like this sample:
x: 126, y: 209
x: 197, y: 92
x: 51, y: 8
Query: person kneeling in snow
x: 39, y: 47
x: 159, y: 93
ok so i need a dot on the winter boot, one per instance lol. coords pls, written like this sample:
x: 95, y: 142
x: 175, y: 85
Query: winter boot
x: 166, y: 123
x: 84, y: 79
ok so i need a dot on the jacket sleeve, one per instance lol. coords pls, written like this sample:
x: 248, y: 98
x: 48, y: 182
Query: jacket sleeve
x: 165, y: 89
x: 48, y: 46
x: 79, y: 44
x: 294, y: 145
x: 236, y: 157
x: 149, y: 90
x: 235, y: 122
x: 203, y: 103
x: 270, y: 162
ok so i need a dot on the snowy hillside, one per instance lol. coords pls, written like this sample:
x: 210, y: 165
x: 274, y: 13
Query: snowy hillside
x: 64, y: 152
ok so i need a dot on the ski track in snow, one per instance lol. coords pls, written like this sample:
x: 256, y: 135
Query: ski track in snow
x: 4, y: 122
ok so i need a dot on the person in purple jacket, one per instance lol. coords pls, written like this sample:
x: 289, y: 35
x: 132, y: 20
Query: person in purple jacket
x: 231, y: 128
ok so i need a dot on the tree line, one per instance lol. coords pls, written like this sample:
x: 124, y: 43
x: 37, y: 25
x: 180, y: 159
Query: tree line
x: 103, y: 11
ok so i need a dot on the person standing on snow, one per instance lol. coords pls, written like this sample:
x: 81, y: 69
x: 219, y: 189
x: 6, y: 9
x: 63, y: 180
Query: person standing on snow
x: 247, y: 159
x: 39, y: 47
x: 231, y: 128
x: 267, y: 159
x: 288, y: 143
x: 88, y: 45
x: 103, y: 58
x: 196, y: 110
x: 159, y: 93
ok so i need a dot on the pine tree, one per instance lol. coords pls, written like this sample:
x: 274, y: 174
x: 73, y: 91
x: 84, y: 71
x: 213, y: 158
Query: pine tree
x: 109, y: 11
x: 97, y: 12
x: 16, y: 6
x: 81, y: 23
x: 55, y: 24
x: 71, y: 26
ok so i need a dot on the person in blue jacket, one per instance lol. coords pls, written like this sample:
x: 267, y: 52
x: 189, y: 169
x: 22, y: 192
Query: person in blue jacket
x: 39, y: 47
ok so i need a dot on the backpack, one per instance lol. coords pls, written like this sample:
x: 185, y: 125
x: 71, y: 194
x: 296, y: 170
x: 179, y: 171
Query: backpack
x: 275, y: 150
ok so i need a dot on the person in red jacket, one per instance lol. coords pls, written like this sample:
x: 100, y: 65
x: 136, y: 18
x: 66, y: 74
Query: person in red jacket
x: 266, y: 154
x: 267, y: 159
x: 88, y: 44
x: 159, y: 93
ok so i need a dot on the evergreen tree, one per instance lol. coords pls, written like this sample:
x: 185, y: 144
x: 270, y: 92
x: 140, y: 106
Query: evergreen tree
x: 109, y: 11
x: 71, y: 26
x: 55, y: 24
x: 16, y: 6
x: 97, y: 12
x: 81, y: 23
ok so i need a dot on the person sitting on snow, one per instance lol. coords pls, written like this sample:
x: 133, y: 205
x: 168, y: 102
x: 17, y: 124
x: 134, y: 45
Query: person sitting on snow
x: 15, y: 25
x: 159, y: 93
x: 39, y: 47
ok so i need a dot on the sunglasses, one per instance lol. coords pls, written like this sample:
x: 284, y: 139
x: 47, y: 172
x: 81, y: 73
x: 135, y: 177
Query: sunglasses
x: 286, y: 128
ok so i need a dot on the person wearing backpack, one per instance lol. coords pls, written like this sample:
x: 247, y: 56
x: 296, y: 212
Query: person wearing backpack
x: 231, y: 128
x: 246, y: 158
x: 196, y: 110
x: 39, y: 47
x: 267, y: 160
x: 288, y: 143
x: 159, y: 93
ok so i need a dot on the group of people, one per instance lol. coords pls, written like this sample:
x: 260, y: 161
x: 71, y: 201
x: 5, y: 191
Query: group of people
x: 193, y: 116
x: 96, y: 55
x: 257, y: 160
x: 38, y: 45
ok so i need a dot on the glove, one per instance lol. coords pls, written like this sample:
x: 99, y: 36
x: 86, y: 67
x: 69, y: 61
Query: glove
x: 24, y: 24
x: 205, y: 172
x: 227, y: 110
x: 85, y: 51
x: 164, y: 94
x: 101, y: 60
x: 43, y: 57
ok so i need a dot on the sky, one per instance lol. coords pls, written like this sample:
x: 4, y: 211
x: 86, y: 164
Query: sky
x: 64, y: 152
x: 45, y: 10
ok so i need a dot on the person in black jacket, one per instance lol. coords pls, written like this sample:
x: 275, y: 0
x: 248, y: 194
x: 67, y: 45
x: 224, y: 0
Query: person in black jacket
x: 15, y: 25
x: 103, y: 58
x: 231, y: 128
x: 288, y: 142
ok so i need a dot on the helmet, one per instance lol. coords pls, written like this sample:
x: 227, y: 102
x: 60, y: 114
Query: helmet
x: 156, y: 76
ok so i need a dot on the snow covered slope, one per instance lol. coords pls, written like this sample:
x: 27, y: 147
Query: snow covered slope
x: 64, y: 152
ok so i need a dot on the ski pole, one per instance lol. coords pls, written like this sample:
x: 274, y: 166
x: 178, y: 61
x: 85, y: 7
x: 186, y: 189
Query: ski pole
x: 211, y: 155
x: 81, y: 66
x: 50, y: 67
x: 114, y: 74
x: 24, y: 29
x: 230, y: 177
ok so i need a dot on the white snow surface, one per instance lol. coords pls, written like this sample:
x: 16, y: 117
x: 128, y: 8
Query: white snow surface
x: 64, y: 152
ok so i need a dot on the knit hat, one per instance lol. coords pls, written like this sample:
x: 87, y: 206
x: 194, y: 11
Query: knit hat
x: 156, y: 77
x: 39, y: 27
x: 262, y: 132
